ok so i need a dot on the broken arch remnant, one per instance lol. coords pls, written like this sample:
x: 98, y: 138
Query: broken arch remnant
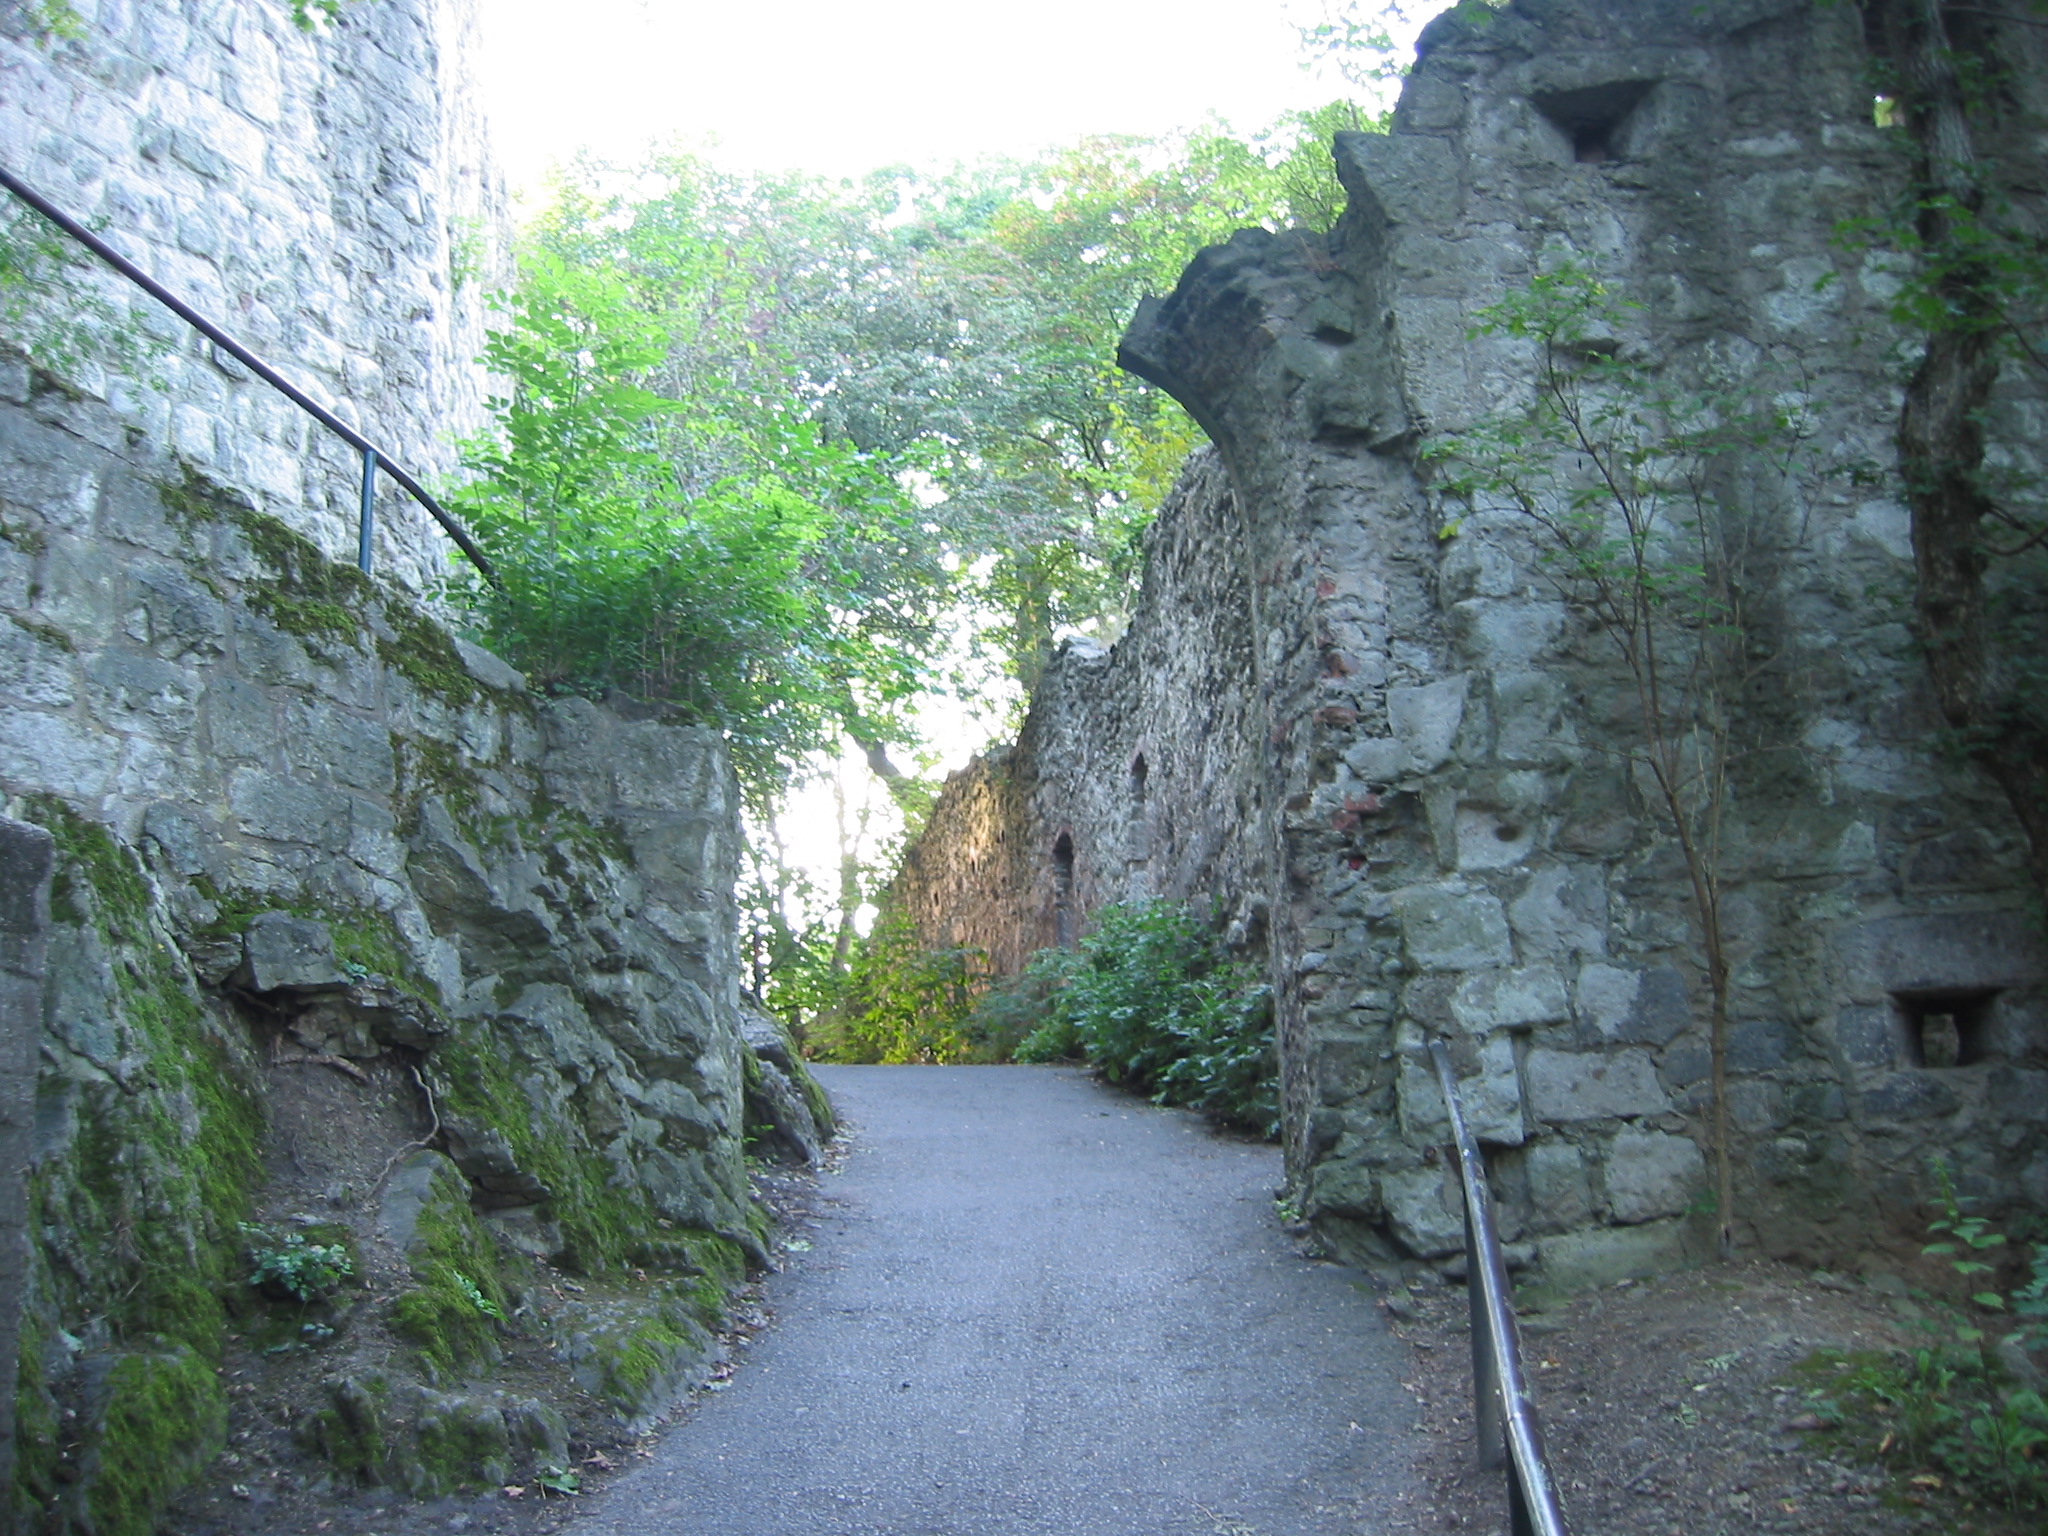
x: 1395, y: 760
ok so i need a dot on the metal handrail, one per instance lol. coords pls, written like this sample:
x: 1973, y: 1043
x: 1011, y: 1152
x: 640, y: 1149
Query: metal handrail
x: 1503, y: 1411
x: 373, y: 457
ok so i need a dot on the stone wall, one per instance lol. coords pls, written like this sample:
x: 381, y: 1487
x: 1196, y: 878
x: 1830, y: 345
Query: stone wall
x: 1394, y: 750
x: 24, y: 924
x: 327, y: 198
x: 348, y: 928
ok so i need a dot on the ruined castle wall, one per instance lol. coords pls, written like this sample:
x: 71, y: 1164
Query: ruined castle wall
x: 1429, y: 791
x: 1112, y: 791
x: 327, y: 198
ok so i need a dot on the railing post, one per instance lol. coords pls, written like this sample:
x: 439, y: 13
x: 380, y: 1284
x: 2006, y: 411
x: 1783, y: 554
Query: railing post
x: 1502, y: 1413
x: 366, y: 527
x: 1487, y: 1418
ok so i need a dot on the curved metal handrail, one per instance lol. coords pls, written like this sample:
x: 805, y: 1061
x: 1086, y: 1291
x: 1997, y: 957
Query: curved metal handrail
x: 374, y: 458
x: 1503, y: 1410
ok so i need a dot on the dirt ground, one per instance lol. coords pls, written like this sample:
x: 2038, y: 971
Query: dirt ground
x: 1679, y: 1405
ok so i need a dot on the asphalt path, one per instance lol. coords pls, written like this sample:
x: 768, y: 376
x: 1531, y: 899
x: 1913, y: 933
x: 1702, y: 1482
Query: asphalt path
x: 1038, y: 1307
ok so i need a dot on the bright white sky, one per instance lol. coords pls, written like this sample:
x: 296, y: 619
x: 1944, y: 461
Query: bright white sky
x: 840, y: 87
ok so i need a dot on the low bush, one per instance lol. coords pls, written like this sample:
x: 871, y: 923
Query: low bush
x: 1154, y: 1004
x: 1950, y: 1415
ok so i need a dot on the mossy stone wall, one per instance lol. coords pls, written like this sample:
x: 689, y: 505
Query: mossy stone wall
x: 296, y: 820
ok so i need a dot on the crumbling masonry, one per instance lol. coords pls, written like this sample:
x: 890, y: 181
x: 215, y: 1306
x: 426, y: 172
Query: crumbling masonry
x: 1388, y: 753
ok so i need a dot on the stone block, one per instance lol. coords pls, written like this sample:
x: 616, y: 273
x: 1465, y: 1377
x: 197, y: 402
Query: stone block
x: 271, y: 806
x: 1425, y: 1209
x: 35, y: 668
x: 280, y: 950
x: 54, y: 753
x: 1426, y: 720
x: 1566, y: 1086
x: 1488, y: 839
x: 339, y: 746
x: 1759, y: 1045
x: 1489, y: 1000
x: 1450, y: 928
x: 1560, y: 1193
x: 183, y: 617
x: 1589, y: 1259
x: 241, y: 725
x: 1907, y: 1096
x: 1650, y: 1174
x: 1489, y: 1089
x: 1562, y: 910
x: 1340, y: 1187
x: 1528, y: 724
x: 133, y: 692
x: 1942, y: 951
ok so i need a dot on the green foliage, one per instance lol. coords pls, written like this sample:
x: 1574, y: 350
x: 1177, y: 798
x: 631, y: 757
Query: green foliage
x: 304, y: 1270
x: 1155, y: 1005
x: 54, y: 309
x: 148, y: 1198
x: 903, y: 1002
x: 1949, y: 1409
x: 52, y: 20
x: 770, y: 438
x: 485, y: 1307
x: 312, y: 16
x: 742, y: 600
x: 1015, y: 1009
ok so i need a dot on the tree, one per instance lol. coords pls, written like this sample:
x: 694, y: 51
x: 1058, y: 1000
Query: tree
x: 1623, y: 482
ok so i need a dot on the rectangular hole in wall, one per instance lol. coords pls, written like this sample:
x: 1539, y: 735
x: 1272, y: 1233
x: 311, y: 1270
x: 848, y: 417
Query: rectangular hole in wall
x: 1950, y: 1027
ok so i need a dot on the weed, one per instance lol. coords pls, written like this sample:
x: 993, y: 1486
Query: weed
x: 303, y: 1270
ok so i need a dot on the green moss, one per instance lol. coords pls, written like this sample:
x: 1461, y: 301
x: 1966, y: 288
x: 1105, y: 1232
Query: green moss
x: 453, y: 1314
x: 149, y: 1194
x: 439, y: 768
x: 49, y: 634
x: 95, y: 881
x: 30, y: 541
x: 36, y: 1428
x: 422, y: 653
x: 166, y: 1417
x: 363, y: 937
x: 321, y: 601
x: 459, y: 1450
x: 352, y: 1434
x: 634, y: 1362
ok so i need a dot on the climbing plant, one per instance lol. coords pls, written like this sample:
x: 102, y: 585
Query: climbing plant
x: 1623, y: 482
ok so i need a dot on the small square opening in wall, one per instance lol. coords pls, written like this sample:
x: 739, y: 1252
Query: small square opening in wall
x: 1593, y: 117
x: 1948, y: 1028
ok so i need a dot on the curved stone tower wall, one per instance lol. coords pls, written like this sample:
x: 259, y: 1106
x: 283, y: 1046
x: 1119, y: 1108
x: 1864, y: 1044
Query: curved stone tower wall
x: 327, y: 198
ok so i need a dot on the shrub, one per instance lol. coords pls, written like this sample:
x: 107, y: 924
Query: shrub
x: 902, y: 1002
x: 1154, y: 1005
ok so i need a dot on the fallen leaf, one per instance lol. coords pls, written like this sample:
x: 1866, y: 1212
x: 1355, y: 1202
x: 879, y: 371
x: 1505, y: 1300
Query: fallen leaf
x: 1924, y: 1480
x: 514, y: 1491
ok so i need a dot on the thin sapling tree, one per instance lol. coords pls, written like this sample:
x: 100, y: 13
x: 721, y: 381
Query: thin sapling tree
x: 1629, y: 490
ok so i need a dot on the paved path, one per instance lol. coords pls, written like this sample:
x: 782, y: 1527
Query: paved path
x: 1036, y: 1307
